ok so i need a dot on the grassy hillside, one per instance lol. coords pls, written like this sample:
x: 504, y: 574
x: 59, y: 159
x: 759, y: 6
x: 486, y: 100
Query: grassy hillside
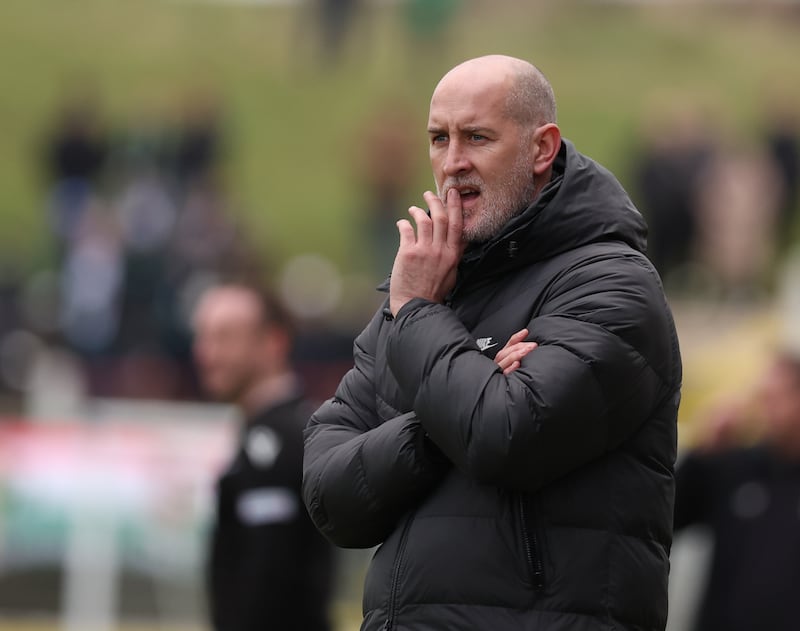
x: 295, y: 126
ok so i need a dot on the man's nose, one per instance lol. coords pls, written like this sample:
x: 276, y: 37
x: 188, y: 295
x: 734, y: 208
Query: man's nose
x: 456, y: 161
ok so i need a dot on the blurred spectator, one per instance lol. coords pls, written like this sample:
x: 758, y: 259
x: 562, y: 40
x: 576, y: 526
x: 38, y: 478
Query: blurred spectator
x: 11, y: 359
x: 198, y: 144
x: 669, y: 169
x: 143, y: 145
x: 749, y: 499
x: 91, y: 284
x: 270, y: 568
x: 205, y: 237
x: 134, y: 251
x: 386, y: 168
x: 783, y: 146
x: 736, y: 215
x: 75, y: 152
x: 335, y: 20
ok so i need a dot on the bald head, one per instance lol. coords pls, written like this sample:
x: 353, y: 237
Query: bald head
x: 493, y: 139
x: 527, y: 94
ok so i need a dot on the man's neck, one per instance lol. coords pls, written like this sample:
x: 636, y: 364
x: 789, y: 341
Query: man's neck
x: 268, y: 391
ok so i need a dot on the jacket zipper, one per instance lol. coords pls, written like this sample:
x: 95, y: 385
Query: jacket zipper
x: 401, y: 547
x: 530, y: 541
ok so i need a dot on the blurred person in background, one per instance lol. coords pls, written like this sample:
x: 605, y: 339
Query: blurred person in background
x: 385, y: 182
x: 269, y: 567
x: 668, y: 175
x: 748, y: 497
x: 782, y: 138
x: 76, y: 149
x: 508, y: 489
x: 335, y: 19
x: 736, y: 222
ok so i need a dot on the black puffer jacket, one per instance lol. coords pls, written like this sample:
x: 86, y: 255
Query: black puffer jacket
x: 541, y: 500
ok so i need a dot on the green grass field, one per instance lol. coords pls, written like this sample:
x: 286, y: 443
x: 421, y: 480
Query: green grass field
x: 295, y: 127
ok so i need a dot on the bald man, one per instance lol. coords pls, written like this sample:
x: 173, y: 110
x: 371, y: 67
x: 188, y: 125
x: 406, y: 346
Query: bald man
x: 507, y: 434
x: 269, y: 567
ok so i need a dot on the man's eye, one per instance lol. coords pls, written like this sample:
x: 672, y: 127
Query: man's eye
x: 478, y: 137
x: 439, y: 138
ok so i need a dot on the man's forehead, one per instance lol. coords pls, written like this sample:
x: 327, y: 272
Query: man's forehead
x: 499, y: 67
x: 228, y: 306
x: 472, y: 81
x: 469, y: 103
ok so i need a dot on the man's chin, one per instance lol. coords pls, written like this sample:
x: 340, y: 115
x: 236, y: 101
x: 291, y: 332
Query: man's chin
x: 475, y: 232
x: 222, y: 393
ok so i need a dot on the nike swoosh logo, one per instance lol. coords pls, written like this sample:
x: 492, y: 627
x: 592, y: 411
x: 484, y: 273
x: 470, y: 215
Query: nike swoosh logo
x: 485, y: 343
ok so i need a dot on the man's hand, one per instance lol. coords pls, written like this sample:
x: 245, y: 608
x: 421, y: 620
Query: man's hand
x: 426, y: 261
x: 509, y: 358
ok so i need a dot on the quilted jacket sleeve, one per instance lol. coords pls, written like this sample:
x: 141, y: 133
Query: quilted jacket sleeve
x: 360, y: 475
x: 607, y: 357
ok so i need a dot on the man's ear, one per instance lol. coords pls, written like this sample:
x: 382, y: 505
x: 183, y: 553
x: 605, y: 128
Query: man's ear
x: 547, y: 142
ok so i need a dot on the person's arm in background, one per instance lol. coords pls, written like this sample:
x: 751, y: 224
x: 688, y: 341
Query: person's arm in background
x: 726, y: 427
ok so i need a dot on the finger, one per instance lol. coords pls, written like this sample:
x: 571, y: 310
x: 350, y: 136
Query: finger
x: 515, y: 339
x: 438, y: 217
x: 519, y: 336
x: 455, y: 220
x: 510, y: 352
x: 503, y: 353
x: 406, y: 230
x: 514, y: 353
x: 511, y: 368
x: 424, y: 226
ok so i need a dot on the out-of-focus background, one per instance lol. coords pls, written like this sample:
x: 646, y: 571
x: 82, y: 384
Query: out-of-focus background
x: 150, y: 147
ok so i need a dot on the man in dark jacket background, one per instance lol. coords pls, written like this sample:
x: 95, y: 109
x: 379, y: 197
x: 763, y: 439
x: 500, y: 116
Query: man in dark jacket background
x: 508, y: 489
x: 269, y: 567
x: 746, y: 495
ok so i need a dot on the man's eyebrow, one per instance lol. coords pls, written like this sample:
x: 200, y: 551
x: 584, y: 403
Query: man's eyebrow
x: 469, y: 129
x: 476, y: 128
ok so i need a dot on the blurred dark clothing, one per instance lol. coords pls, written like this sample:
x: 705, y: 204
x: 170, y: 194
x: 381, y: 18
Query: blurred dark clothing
x: 336, y: 18
x: 75, y: 153
x: 270, y: 568
x: 666, y: 181
x: 750, y: 501
x: 783, y: 143
x: 197, y: 147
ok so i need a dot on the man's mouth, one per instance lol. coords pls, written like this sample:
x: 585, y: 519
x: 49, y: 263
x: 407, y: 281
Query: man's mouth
x: 468, y: 193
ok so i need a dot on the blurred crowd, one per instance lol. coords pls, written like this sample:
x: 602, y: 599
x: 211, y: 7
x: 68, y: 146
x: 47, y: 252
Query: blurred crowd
x: 722, y: 207
x: 140, y: 220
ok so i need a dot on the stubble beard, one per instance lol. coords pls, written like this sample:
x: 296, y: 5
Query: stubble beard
x: 499, y: 203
